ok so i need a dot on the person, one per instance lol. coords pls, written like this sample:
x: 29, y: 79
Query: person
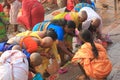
x: 3, y: 34
x: 92, y: 57
x: 25, y: 39
x: 35, y: 60
x: 1, y: 8
x: 78, y: 18
x: 32, y: 13
x: 70, y: 5
x: 93, y: 19
x: 61, y: 27
x: 14, y: 64
x: 78, y: 6
x: 15, y: 5
x: 45, y: 43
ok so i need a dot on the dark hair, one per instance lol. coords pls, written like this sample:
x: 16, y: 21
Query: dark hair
x: 71, y: 24
x: 60, y: 22
x: 88, y: 37
x: 51, y: 33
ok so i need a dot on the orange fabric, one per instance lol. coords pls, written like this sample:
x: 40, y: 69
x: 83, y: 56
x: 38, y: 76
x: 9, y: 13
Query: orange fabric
x: 30, y: 44
x: 94, y: 68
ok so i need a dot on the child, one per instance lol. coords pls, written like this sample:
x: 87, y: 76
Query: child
x: 92, y: 57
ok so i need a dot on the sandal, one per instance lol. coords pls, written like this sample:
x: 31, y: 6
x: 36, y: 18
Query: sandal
x: 62, y: 70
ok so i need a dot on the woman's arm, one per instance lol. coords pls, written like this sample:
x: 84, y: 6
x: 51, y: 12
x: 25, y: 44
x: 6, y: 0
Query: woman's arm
x: 62, y: 46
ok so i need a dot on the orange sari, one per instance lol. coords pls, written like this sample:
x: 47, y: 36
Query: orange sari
x: 94, y: 68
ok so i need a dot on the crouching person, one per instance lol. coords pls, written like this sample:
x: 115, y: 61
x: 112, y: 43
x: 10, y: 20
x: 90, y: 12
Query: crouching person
x: 92, y: 57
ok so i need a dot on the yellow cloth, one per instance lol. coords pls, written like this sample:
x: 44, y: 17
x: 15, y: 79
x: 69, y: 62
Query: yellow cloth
x: 60, y: 15
x: 52, y: 50
x: 94, y: 68
x: 29, y: 33
x: 74, y: 17
x: 45, y: 61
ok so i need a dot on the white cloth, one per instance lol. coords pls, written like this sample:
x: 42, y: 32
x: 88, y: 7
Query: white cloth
x: 13, y: 66
x: 15, y: 7
x: 91, y: 14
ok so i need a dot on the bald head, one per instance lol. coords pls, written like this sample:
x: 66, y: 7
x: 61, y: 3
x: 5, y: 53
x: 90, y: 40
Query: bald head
x: 82, y: 15
x: 96, y: 22
x: 35, y: 59
x: 16, y: 47
x: 46, y: 42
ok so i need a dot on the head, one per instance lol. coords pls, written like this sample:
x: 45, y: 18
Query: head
x: 95, y: 22
x: 86, y: 36
x: 51, y: 33
x: 35, y: 59
x: 46, y: 42
x: 70, y: 28
x: 60, y: 22
x: 82, y: 15
x: 16, y: 47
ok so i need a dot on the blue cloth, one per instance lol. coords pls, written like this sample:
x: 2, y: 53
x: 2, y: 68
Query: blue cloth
x: 81, y: 5
x: 40, y: 26
x: 2, y: 45
x: 26, y: 53
x: 38, y: 76
x: 5, y: 46
x: 58, y: 29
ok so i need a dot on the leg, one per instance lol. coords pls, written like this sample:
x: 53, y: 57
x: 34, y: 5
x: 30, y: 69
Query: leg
x: 15, y: 27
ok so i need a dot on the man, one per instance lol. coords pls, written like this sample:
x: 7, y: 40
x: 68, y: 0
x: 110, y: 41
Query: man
x: 93, y: 22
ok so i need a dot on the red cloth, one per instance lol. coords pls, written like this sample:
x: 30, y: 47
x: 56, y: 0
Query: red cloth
x: 32, y: 13
x: 30, y: 44
x: 1, y: 8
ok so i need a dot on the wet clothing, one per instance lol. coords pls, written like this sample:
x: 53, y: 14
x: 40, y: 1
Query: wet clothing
x: 32, y: 13
x: 94, y: 68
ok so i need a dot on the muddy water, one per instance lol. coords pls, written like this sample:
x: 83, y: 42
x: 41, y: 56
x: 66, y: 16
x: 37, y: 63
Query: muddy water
x: 106, y: 9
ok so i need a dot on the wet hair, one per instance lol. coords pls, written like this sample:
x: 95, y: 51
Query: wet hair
x: 88, y: 37
x: 71, y: 24
x: 60, y: 22
x: 51, y: 33
x: 63, y: 22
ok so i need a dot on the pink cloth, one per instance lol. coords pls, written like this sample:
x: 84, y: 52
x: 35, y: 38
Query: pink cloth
x: 32, y: 13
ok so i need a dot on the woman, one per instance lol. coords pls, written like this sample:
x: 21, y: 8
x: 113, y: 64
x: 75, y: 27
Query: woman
x: 32, y: 13
x: 92, y: 57
x: 61, y: 27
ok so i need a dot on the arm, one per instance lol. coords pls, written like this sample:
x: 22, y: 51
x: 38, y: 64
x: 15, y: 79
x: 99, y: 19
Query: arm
x: 62, y: 46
